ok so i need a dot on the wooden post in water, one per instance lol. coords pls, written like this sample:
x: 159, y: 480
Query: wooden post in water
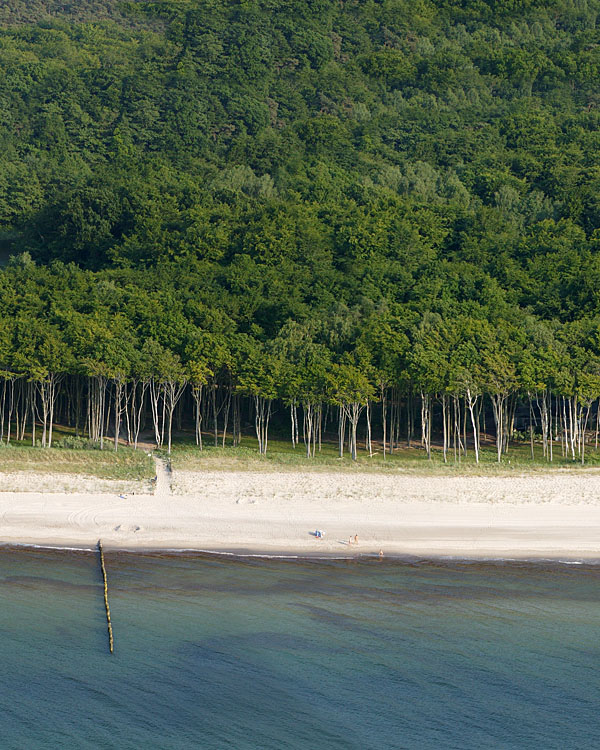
x: 108, y: 622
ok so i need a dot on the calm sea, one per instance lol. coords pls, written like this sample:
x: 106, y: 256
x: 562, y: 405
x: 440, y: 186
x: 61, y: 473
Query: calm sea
x: 258, y: 654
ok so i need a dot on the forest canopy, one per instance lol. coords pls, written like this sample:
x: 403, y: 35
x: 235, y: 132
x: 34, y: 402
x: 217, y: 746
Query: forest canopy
x: 319, y: 202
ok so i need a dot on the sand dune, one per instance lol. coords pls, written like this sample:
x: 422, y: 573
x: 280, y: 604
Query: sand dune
x: 551, y: 516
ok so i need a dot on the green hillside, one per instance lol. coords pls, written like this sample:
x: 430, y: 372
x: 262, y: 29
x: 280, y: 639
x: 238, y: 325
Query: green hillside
x: 308, y: 200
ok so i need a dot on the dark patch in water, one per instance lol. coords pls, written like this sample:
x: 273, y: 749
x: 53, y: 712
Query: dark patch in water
x: 39, y: 582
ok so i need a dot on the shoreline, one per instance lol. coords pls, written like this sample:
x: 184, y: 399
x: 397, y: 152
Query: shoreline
x: 306, y: 556
x: 541, y: 517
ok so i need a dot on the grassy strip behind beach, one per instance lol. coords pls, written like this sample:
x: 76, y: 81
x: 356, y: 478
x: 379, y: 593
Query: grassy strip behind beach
x: 125, y: 464
x: 131, y: 465
x: 281, y: 456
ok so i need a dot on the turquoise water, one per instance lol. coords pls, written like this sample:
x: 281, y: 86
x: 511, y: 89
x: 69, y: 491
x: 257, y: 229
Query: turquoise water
x: 226, y: 653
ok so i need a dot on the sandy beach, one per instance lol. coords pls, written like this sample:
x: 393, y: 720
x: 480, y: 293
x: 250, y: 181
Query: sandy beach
x: 537, y: 516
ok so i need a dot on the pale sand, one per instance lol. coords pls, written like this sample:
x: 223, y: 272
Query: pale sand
x: 553, y: 515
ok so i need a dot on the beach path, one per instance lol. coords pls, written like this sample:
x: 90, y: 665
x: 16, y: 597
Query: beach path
x: 163, y: 477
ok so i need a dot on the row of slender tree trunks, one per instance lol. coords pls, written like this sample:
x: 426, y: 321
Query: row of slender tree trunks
x: 105, y: 408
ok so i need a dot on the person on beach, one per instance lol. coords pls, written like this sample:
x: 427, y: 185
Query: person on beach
x: 356, y: 539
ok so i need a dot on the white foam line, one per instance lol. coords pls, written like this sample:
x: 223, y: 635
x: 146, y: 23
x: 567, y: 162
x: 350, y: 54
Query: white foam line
x: 47, y: 546
x: 224, y: 553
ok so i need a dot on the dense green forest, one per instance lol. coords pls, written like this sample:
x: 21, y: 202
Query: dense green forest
x: 382, y: 215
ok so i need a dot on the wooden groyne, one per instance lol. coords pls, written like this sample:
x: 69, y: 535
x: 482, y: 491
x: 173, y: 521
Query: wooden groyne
x: 108, y: 622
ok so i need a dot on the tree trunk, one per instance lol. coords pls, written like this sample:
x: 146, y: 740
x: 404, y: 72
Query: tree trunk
x: 237, y: 421
x: 197, y: 395
x: 341, y: 429
x: 498, y: 404
x: 172, y: 392
x: 155, y: 390
x: 587, y: 415
x: 293, y: 420
x: 471, y: 402
x: 445, y: 428
x: 426, y: 422
x: 531, y: 426
x: 47, y: 392
x: 262, y: 417
x: 384, y: 418
x: 226, y: 417
x: 213, y: 398
x: 11, y: 400
x: 409, y: 419
x: 118, y: 410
